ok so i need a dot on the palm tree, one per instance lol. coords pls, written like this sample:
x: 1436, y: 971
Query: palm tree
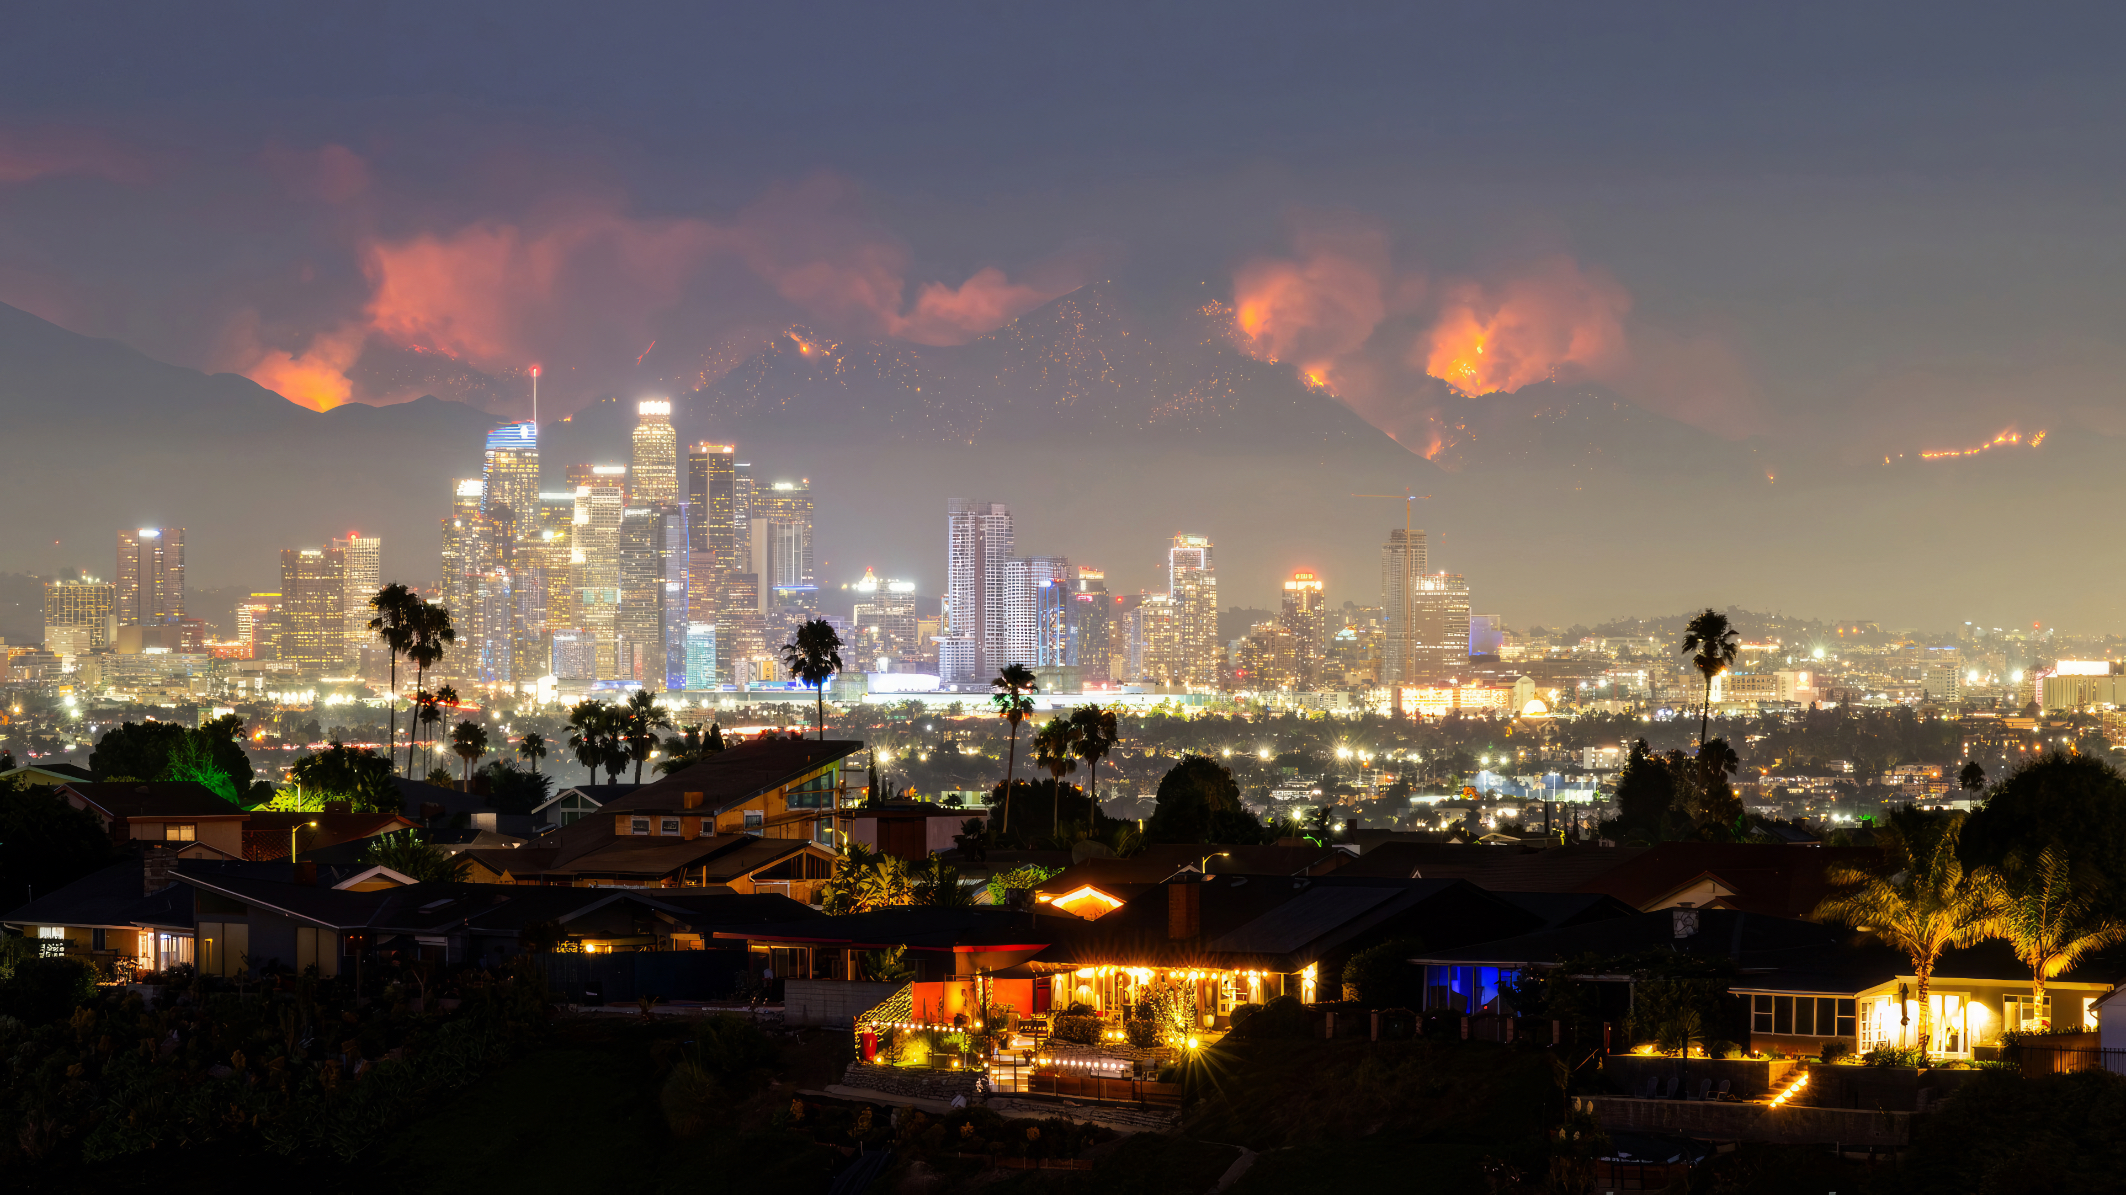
x: 642, y: 718
x: 612, y: 741
x: 813, y: 655
x: 1924, y: 906
x: 445, y: 697
x: 469, y: 740
x: 1052, y: 746
x: 429, y: 625
x: 586, y: 723
x: 2049, y: 923
x: 1098, y: 731
x: 1971, y: 779
x: 1013, y: 686
x: 394, y: 605
x: 532, y: 747
x: 425, y: 714
x: 1714, y: 640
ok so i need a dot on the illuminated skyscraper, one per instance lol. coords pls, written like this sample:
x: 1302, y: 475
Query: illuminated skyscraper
x: 742, y: 516
x: 978, y: 540
x: 594, y: 568
x: 79, y: 615
x: 1439, y: 649
x: 314, y: 610
x: 886, y: 637
x: 789, y: 502
x: 1192, y: 582
x: 1153, y: 631
x: 1403, y: 559
x: 365, y: 575
x: 579, y: 476
x: 258, y: 624
x: 1036, y: 603
x: 467, y: 552
x: 511, y: 477
x: 701, y: 656
x: 652, y: 620
x: 1091, y: 625
x: 151, y: 576
x: 1305, y: 614
x: 656, y: 471
x: 712, y: 530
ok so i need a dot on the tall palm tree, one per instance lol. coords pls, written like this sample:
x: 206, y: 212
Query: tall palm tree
x: 612, y: 739
x: 642, y: 718
x: 1972, y: 779
x: 1052, y: 746
x: 1013, y: 686
x: 1717, y: 644
x: 431, y: 633
x: 1925, y: 905
x: 395, y: 607
x: 586, y: 734
x: 2045, y: 918
x: 445, y: 697
x: 1098, y: 731
x: 813, y: 656
x: 469, y: 740
x: 532, y: 746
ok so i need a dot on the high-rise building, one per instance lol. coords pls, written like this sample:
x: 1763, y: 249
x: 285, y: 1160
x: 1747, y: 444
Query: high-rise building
x: 656, y: 464
x: 741, y: 632
x: 578, y: 476
x: 258, y: 624
x: 487, y: 639
x: 510, y: 495
x: 1403, y: 559
x: 652, y: 620
x: 1269, y: 658
x: 365, y: 575
x: 742, y: 516
x: 1153, y: 630
x: 1439, y: 618
x: 779, y: 565
x: 978, y: 540
x: 314, y: 609
x: 701, y: 656
x: 1036, y: 607
x: 712, y: 528
x: 1091, y: 626
x: 1192, y: 582
x: 790, y: 502
x: 886, y: 635
x: 151, y: 576
x: 1305, y: 614
x: 594, y: 574
x: 79, y: 615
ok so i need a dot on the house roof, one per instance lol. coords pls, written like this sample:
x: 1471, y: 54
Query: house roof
x: 1859, y: 963
x: 110, y: 896
x: 266, y: 834
x: 161, y: 798
x: 1155, y: 864
x: 55, y: 772
x: 1770, y: 878
x: 730, y: 777
x: 598, y: 794
x: 1748, y: 940
x: 1498, y: 868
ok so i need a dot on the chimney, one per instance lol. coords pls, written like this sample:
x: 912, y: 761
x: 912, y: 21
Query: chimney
x: 155, y: 863
x: 1184, y: 909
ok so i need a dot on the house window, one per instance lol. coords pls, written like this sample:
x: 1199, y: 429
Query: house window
x: 640, y: 825
x: 755, y: 821
x: 179, y: 832
x: 671, y: 826
x: 1760, y: 1014
x: 2023, y: 1014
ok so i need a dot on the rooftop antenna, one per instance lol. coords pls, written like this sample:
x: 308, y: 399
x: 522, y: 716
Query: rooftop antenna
x: 535, y: 396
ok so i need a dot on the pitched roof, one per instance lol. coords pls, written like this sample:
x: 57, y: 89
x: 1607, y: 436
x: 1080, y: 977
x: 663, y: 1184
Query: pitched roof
x: 110, y: 896
x: 161, y: 798
x: 266, y: 834
x: 1772, y: 878
x: 731, y: 776
x: 1498, y: 868
x: 58, y: 771
x: 1748, y: 939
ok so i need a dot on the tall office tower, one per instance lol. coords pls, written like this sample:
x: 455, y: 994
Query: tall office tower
x: 578, y: 476
x: 1439, y: 647
x: 978, y: 540
x: 1403, y: 560
x: 511, y: 501
x: 712, y: 528
x: 1036, y: 598
x: 365, y: 575
x: 557, y: 520
x: 656, y: 471
x: 1091, y: 625
x: 530, y: 644
x: 741, y: 630
x: 1269, y: 657
x: 1306, y: 615
x: 1192, y: 582
x: 779, y: 563
x: 652, y: 620
x: 742, y: 517
x: 886, y: 636
x: 79, y: 615
x: 701, y: 656
x: 258, y: 624
x: 789, y: 502
x: 1154, y: 631
x: 314, y: 609
x: 490, y: 628
x: 467, y: 551
x: 594, y: 574
x: 150, y: 576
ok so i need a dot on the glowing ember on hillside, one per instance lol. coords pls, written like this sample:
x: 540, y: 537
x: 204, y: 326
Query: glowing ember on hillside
x: 2007, y: 438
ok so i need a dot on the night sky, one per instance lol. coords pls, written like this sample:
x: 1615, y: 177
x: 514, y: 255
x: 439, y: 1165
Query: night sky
x: 1853, y: 232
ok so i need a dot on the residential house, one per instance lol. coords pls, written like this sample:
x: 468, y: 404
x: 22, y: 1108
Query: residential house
x: 134, y: 914
x: 184, y: 814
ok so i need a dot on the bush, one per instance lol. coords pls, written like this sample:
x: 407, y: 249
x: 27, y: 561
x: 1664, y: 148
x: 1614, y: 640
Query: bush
x: 1145, y: 1034
x: 1892, y: 1056
x: 1084, y: 1031
x: 1282, y: 1017
x: 44, y: 990
x: 1383, y: 976
x: 2001, y: 1132
x: 1242, y: 1012
x: 1835, y: 1051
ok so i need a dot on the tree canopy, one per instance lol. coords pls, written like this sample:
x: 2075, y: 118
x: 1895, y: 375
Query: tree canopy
x: 1199, y: 801
x: 356, y: 775
x: 45, y: 843
x: 154, y: 750
x: 2076, y: 803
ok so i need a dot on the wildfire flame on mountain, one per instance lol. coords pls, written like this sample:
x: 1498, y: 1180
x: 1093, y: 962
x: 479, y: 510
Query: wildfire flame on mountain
x: 1489, y: 339
x: 2006, y: 439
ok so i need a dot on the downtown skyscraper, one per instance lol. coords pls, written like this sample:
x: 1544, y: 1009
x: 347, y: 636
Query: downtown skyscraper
x: 978, y: 540
x: 150, y: 576
x: 1425, y: 615
x: 1192, y: 584
x: 656, y: 459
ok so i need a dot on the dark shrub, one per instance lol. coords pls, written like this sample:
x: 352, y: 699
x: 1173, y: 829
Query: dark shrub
x: 1084, y: 1031
x: 1282, y: 1017
x: 1144, y: 1034
x: 44, y: 990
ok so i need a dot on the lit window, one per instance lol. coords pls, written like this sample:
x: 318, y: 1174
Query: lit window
x: 640, y: 825
x: 755, y: 821
x: 179, y: 832
x: 671, y: 826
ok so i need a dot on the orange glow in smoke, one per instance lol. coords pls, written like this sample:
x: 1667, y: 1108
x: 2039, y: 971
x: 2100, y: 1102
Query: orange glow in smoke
x: 2006, y: 439
x: 1525, y: 331
x: 1316, y: 310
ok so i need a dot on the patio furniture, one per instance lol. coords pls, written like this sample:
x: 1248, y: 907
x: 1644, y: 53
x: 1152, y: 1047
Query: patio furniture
x: 1722, y: 1091
x: 1705, y: 1089
x: 1674, y: 1084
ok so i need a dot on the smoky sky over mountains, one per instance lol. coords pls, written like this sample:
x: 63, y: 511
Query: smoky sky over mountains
x: 1660, y: 304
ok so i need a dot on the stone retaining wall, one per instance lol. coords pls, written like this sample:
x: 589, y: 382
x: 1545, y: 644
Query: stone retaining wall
x: 1723, y: 1121
x: 911, y: 1082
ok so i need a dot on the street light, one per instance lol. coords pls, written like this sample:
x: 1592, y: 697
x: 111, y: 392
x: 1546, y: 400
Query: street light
x: 1203, y: 864
x: 291, y: 840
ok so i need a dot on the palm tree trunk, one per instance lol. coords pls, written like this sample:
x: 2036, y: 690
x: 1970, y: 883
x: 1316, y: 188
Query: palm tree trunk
x: 1011, y: 760
x: 821, y: 694
x: 1705, y: 712
x: 391, y: 752
x: 1925, y: 976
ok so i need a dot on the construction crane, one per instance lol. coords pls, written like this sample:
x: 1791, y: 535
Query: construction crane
x: 1406, y: 665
